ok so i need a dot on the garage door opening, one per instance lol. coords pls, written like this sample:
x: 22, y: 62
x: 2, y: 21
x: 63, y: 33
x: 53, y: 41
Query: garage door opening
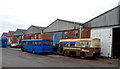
x: 116, y: 42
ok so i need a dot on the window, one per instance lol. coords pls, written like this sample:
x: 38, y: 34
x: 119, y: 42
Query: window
x: 39, y: 43
x: 35, y: 36
x: 33, y: 43
x: 47, y: 43
x: 87, y: 44
x: 3, y: 42
x: 65, y: 34
x: 36, y: 43
x: 61, y: 43
x: 39, y: 35
x: 31, y: 37
x: 81, y: 44
x: 66, y: 44
x: 25, y: 43
x: 75, y: 34
x: 72, y: 44
x: 22, y: 36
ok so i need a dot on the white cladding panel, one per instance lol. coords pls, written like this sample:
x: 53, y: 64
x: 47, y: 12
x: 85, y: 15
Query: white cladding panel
x: 105, y: 36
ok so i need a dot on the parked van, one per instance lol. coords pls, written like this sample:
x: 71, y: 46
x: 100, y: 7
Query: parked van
x: 80, y: 47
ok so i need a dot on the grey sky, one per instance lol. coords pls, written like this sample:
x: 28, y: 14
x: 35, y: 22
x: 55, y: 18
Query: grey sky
x: 23, y: 13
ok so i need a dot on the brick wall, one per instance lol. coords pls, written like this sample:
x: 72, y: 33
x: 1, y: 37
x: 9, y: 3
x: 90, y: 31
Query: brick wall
x: 47, y: 36
x: 71, y: 34
x: 86, y: 33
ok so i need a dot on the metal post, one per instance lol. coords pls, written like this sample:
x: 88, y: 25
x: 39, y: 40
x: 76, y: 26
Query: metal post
x: 80, y: 32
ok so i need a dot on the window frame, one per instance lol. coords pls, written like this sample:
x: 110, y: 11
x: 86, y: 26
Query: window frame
x: 65, y: 35
x: 75, y: 34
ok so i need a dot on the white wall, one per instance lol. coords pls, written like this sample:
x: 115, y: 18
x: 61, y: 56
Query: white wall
x: 105, y: 35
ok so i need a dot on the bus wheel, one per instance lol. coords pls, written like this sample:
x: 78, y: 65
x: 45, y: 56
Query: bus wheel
x: 82, y: 55
x: 33, y: 52
x: 22, y: 49
x: 64, y: 53
x: 94, y: 56
x: 26, y: 50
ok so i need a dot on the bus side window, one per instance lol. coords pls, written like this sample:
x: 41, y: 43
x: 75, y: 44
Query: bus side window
x: 81, y: 44
x: 26, y: 43
x: 87, y: 44
x: 31, y: 43
x: 36, y: 43
x: 23, y: 43
x: 47, y: 43
x: 72, y: 44
x: 66, y: 44
x: 39, y: 43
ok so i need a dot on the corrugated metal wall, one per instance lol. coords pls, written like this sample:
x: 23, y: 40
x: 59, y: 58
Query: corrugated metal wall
x: 107, y: 19
x: 33, y: 30
x: 61, y: 25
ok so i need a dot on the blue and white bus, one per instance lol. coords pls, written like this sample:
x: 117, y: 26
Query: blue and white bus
x: 3, y: 42
x: 38, y: 46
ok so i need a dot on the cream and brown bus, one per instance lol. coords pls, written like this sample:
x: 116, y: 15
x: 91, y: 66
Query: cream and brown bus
x: 80, y: 47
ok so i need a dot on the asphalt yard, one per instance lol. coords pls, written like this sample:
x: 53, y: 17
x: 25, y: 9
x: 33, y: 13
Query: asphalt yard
x: 14, y: 57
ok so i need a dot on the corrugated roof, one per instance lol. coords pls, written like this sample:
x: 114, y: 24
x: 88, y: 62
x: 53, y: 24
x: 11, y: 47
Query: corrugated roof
x: 10, y: 33
x: 70, y: 22
x: 101, y: 14
x: 66, y: 21
x: 34, y: 29
x: 38, y: 27
x: 19, y: 31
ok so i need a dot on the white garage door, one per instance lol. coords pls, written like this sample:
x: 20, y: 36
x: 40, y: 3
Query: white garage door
x: 105, y: 34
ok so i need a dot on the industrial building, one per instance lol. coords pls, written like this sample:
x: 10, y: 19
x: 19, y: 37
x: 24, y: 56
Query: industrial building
x: 107, y: 27
x: 18, y: 35
x: 10, y: 36
x: 4, y: 34
x: 33, y: 32
x: 63, y: 29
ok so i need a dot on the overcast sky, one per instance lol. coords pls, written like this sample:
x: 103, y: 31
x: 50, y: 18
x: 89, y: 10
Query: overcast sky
x: 24, y: 13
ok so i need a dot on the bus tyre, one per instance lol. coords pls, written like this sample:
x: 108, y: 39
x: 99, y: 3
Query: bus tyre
x: 64, y: 53
x: 94, y: 56
x: 22, y: 49
x: 82, y: 55
x: 11, y: 46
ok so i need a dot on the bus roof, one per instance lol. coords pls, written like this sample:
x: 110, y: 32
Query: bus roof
x: 3, y: 37
x: 77, y: 40
x: 38, y: 40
